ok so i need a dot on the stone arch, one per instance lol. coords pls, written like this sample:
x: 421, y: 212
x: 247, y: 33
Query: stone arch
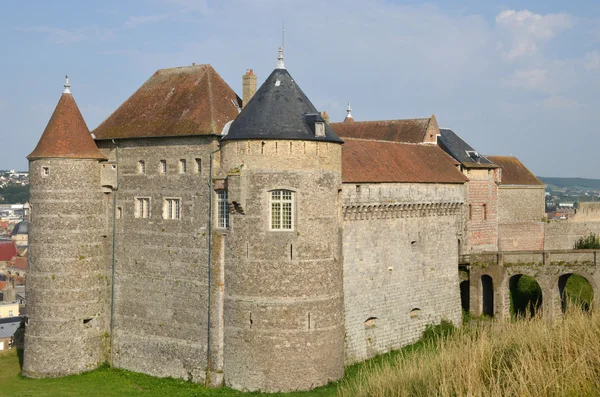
x: 525, y: 295
x: 487, y: 295
x: 576, y: 289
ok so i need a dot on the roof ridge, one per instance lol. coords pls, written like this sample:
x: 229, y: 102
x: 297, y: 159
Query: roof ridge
x: 212, y: 107
x: 384, y: 121
x: 384, y: 141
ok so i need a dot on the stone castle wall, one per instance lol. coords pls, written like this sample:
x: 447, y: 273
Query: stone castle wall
x: 400, y: 253
x: 161, y: 269
x: 521, y: 218
x: 67, y: 276
x: 283, y: 309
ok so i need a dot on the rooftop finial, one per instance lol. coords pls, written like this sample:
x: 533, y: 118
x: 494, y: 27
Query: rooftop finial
x: 280, y: 64
x: 67, y: 85
x: 349, y: 117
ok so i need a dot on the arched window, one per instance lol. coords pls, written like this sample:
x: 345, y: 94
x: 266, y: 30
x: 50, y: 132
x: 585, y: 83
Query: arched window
x: 282, y: 210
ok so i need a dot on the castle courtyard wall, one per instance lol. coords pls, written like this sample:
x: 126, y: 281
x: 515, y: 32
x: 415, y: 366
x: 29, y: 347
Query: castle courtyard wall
x: 521, y: 217
x: 160, y: 314
x: 400, y: 252
x: 562, y: 234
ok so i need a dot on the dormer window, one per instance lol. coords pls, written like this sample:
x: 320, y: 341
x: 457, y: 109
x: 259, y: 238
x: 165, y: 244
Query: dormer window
x: 319, y: 128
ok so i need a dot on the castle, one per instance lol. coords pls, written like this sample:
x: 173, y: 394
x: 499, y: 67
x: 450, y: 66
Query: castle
x: 250, y: 242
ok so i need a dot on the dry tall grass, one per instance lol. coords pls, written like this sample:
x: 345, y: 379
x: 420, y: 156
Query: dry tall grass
x: 523, y: 358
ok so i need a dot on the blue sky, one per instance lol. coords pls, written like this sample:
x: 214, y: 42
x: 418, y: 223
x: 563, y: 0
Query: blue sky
x: 512, y: 77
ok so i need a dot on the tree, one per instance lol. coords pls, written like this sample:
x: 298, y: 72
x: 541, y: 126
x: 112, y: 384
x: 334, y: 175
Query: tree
x: 592, y: 241
x: 15, y: 194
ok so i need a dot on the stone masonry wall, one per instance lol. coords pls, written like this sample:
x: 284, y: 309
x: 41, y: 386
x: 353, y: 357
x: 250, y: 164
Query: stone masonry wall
x: 521, y: 218
x: 67, y: 278
x: 160, y: 320
x: 400, y: 254
x: 481, y: 211
x: 563, y: 234
x: 284, y: 327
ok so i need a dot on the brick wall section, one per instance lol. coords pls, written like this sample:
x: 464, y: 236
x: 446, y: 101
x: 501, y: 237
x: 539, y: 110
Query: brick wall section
x: 161, y: 264
x: 521, y: 217
x: 398, y: 256
x: 481, y: 220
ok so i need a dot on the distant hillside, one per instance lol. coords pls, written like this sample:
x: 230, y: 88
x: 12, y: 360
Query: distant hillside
x: 581, y: 183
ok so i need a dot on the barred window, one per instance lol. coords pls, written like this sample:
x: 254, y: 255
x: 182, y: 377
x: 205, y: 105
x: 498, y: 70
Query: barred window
x: 222, y: 209
x: 282, y: 213
x: 182, y: 166
x: 172, y: 208
x: 142, y: 207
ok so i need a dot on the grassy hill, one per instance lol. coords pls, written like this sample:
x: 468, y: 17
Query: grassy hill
x: 580, y: 183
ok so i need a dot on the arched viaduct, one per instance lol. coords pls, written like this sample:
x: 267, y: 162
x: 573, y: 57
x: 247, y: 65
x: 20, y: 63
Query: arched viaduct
x: 491, y: 272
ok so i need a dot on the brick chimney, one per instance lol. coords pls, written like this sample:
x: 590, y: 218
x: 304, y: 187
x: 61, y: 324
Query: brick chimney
x: 248, y: 86
x: 325, y: 116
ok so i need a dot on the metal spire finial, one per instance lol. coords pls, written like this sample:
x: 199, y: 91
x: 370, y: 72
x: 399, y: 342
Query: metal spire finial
x: 280, y: 64
x: 348, y: 110
x: 67, y: 85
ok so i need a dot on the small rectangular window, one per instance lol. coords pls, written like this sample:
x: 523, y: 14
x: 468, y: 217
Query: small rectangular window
x: 141, y: 167
x: 172, y: 208
x: 198, y: 166
x: 485, y: 212
x: 45, y: 171
x: 222, y: 209
x: 282, y: 210
x: 10, y: 313
x: 470, y: 212
x: 162, y: 166
x: 142, y: 207
x: 119, y: 213
x: 182, y: 166
x: 319, y: 129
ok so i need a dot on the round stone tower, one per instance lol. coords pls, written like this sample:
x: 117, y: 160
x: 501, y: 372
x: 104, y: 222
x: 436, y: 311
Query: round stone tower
x: 283, y: 309
x: 66, y: 275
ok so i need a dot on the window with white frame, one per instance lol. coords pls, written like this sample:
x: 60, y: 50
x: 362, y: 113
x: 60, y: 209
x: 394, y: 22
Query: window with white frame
x: 222, y: 209
x: 162, y: 166
x: 141, y: 167
x: 142, y: 207
x: 182, y: 166
x: 172, y: 208
x: 282, y: 210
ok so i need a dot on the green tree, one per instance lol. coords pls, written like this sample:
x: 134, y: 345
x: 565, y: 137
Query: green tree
x: 14, y: 194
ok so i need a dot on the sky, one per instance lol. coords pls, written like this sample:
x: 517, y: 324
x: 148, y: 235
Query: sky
x: 511, y: 77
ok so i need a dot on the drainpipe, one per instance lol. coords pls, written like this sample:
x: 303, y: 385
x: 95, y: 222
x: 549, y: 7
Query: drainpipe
x: 114, y: 243
x: 209, y: 267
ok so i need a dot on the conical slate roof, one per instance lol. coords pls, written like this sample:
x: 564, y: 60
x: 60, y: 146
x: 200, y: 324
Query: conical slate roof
x: 279, y: 110
x: 66, y: 135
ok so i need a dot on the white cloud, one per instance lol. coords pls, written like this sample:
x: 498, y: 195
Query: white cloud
x: 531, y: 79
x: 560, y: 103
x: 523, y: 31
x: 64, y: 36
x: 135, y: 21
x: 592, y: 60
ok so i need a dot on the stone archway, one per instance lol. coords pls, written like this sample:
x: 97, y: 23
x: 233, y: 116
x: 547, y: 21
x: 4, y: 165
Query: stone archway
x: 525, y: 295
x: 575, y: 290
x: 487, y: 295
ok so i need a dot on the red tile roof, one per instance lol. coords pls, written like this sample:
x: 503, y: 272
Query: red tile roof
x: 18, y: 262
x: 8, y: 250
x: 66, y: 135
x: 3, y: 284
x: 3, y: 225
x: 366, y: 161
x: 403, y: 131
x: 514, y: 172
x: 191, y: 100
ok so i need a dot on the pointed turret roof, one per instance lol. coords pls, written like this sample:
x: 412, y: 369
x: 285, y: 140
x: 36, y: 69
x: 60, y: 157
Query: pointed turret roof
x: 279, y: 110
x: 66, y: 135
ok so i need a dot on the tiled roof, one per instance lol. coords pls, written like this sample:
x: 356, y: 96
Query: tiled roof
x: 452, y: 144
x: 3, y: 284
x: 279, y: 110
x: 366, y: 161
x: 190, y: 100
x: 8, y: 250
x: 403, y: 131
x: 66, y: 135
x: 18, y: 262
x: 514, y: 172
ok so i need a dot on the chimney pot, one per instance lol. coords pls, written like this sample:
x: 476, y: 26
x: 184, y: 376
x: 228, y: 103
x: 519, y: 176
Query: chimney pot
x: 248, y: 86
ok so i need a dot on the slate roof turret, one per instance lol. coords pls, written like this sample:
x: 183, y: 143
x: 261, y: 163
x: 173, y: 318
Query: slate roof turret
x: 66, y: 135
x: 279, y: 110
